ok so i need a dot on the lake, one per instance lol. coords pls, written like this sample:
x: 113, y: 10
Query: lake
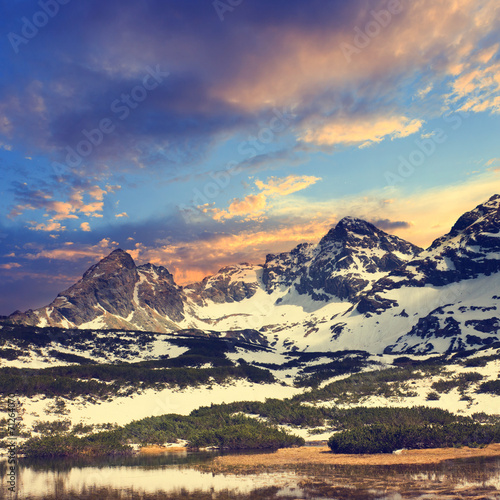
x: 178, y: 476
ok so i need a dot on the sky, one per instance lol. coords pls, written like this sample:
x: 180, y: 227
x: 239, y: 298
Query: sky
x: 199, y: 134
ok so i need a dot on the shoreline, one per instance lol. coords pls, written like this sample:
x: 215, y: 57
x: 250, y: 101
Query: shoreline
x: 321, y: 455
x: 160, y: 450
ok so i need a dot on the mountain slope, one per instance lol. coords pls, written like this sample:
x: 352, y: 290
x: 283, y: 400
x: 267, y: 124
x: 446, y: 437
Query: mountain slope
x: 114, y: 293
x: 358, y: 288
x: 446, y: 298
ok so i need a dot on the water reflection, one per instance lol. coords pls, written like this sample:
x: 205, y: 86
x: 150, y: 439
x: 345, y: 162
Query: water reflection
x: 189, y: 476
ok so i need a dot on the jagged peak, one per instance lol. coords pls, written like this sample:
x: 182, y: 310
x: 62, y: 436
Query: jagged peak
x: 346, y: 226
x: 495, y: 198
x: 150, y: 267
x: 468, y: 218
x: 119, y: 255
x: 152, y: 270
x: 116, y: 259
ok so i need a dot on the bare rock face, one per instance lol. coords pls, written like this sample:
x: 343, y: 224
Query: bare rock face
x: 157, y: 290
x: 357, y: 283
x: 229, y: 284
x: 117, y: 293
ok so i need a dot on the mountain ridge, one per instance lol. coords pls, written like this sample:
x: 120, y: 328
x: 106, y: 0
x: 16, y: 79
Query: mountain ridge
x: 357, y: 277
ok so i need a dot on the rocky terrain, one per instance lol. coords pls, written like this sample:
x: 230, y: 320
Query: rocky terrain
x: 358, y: 288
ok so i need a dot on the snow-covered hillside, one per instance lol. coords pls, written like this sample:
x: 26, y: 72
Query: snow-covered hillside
x: 358, y: 288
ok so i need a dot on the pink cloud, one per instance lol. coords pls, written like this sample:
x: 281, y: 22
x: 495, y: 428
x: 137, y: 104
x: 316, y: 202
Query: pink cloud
x: 10, y: 265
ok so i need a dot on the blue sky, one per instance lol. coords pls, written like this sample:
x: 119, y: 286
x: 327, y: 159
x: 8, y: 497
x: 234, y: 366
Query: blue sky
x: 200, y: 134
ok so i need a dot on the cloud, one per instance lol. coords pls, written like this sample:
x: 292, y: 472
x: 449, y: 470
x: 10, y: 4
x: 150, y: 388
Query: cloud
x: 49, y: 226
x: 77, y: 203
x: 222, y: 83
x: 493, y: 161
x: 10, y: 265
x: 97, y: 193
x: 74, y: 253
x: 286, y: 185
x: 478, y: 88
x: 193, y: 260
x: 253, y: 206
x: 123, y: 214
x: 85, y: 226
x: 389, y: 225
x: 361, y: 131
x: 250, y: 206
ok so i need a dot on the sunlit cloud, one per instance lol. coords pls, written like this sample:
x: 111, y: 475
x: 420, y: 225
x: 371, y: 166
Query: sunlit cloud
x: 59, y: 210
x: 253, y: 206
x: 10, y: 265
x: 286, y: 185
x: 75, y: 253
x: 362, y: 131
x: 49, y: 226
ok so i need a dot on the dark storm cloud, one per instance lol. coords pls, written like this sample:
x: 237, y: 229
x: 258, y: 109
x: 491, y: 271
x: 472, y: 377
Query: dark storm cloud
x: 388, y: 225
x: 92, y: 53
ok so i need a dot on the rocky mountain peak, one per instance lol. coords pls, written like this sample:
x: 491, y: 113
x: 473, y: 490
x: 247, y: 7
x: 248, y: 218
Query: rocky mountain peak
x: 117, y: 260
x: 156, y: 272
x: 346, y: 228
x: 482, y: 222
x: 489, y: 209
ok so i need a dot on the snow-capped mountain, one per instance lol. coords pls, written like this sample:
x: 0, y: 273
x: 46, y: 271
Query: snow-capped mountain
x: 358, y: 288
x: 346, y: 261
x: 444, y: 299
x: 114, y: 293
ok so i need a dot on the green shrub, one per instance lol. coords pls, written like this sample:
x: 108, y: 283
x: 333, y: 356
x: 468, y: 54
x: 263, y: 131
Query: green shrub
x: 55, y: 427
x: 379, y: 438
x: 67, y: 445
x: 490, y: 387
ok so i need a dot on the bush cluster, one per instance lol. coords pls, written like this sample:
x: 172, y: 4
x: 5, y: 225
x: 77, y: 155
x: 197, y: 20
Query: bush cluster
x: 227, y: 432
x: 379, y: 438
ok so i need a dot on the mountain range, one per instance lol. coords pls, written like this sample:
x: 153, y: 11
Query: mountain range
x: 358, y: 288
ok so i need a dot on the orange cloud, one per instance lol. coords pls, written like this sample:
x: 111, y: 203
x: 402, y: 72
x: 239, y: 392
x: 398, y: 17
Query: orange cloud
x: 10, y: 265
x: 97, y: 193
x: 49, y: 226
x: 194, y: 260
x: 299, y: 63
x: 85, y: 226
x: 95, y: 252
x: 363, y: 131
x: 71, y: 209
x: 253, y: 205
x: 286, y: 185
